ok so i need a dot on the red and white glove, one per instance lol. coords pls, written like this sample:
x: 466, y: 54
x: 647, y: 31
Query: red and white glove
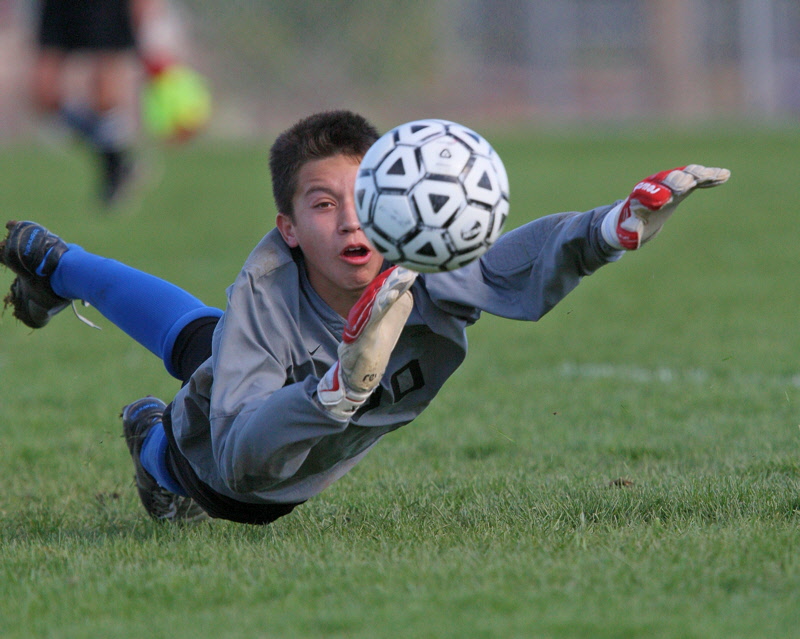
x: 372, y: 330
x: 640, y: 217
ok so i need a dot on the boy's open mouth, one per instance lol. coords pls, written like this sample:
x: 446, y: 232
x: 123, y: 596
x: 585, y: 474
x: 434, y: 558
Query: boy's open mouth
x: 356, y: 251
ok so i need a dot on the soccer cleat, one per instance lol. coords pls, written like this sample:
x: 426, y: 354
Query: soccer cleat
x: 137, y: 420
x: 32, y: 252
x: 642, y: 215
x: 118, y: 177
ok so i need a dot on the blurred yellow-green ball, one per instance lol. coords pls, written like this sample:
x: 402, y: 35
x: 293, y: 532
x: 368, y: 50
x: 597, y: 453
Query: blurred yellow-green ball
x: 176, y: 103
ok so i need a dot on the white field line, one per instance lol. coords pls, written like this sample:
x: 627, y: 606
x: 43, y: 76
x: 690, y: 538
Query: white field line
x: 666, y: 375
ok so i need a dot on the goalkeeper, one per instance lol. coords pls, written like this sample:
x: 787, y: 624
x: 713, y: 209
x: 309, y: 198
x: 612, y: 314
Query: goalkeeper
x: 323, y: 348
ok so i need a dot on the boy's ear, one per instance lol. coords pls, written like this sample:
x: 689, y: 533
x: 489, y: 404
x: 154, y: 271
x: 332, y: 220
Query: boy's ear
x: 285, y: 227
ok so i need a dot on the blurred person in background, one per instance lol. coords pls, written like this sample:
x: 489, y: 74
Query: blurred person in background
x: 105, y: 34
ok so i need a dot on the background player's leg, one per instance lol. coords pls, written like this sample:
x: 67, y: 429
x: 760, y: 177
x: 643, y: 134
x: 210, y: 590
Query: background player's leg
x: 113, y: 135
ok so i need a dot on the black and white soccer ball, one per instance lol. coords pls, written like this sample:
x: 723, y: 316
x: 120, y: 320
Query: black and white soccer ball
x: 432, y: 195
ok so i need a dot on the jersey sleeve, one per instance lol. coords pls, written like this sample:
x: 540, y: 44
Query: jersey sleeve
x: 528, y: 270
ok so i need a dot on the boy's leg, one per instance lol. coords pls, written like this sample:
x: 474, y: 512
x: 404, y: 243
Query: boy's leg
x: 50, y: 273
x: 150, y: 310
x: 192, y: 348
x: 165, y: 319
x: 113, y: 135
x: 161, y: 496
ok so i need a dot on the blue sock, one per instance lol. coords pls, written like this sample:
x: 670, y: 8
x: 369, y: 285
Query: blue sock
x: 104, y: 130
x: 150, y: 310
x: 154, y: 460
x: 82, y: 120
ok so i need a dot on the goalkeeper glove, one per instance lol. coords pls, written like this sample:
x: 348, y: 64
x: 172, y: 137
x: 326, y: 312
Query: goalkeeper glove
x: 373, y: 327
x: 640, y: 217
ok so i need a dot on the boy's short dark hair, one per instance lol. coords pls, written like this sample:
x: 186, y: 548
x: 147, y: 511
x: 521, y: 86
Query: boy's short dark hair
x: 316, y: 137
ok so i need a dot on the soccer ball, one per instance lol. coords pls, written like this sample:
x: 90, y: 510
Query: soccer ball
x: 432, y: 195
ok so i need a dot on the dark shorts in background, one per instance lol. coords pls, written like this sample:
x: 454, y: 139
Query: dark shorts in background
x: 74, y: 25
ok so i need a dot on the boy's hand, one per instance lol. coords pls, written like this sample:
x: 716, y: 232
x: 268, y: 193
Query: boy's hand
x: 640, y: 217
x: 372, y: 330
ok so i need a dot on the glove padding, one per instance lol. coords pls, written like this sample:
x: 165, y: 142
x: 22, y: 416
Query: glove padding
x: 640, y: 217
x: 373, y: 327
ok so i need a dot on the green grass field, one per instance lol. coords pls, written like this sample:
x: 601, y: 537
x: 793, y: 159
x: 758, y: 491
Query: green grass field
x: 496, y: 514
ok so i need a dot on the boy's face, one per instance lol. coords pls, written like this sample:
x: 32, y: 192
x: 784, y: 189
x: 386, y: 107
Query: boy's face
x: 340, y: 260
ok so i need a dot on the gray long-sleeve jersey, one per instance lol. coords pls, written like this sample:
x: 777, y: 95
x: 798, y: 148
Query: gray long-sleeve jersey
x: 248, y: 420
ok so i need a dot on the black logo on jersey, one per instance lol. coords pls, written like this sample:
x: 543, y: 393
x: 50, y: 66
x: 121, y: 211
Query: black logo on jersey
x: 407, y: 380
x: 404, y: 381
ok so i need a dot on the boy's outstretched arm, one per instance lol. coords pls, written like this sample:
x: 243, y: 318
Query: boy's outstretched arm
x: 372, y: 330
x: 640, y: 217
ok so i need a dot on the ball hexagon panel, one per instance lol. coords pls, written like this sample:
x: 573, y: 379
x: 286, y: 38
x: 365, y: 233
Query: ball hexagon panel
x: 399, y: 169
x: 499, y: 220
x: 470, y: 228
x: 365, y: 194
x: 379, y: 150
x: 500, y: 170
x: 413, y: 133
x: 389, y: 251
x: 482, y: 183
x: 474, y: 141
x: 437, y: 201
x: 444, y: 156
x: 392, y: 215
x: 427, y: 250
